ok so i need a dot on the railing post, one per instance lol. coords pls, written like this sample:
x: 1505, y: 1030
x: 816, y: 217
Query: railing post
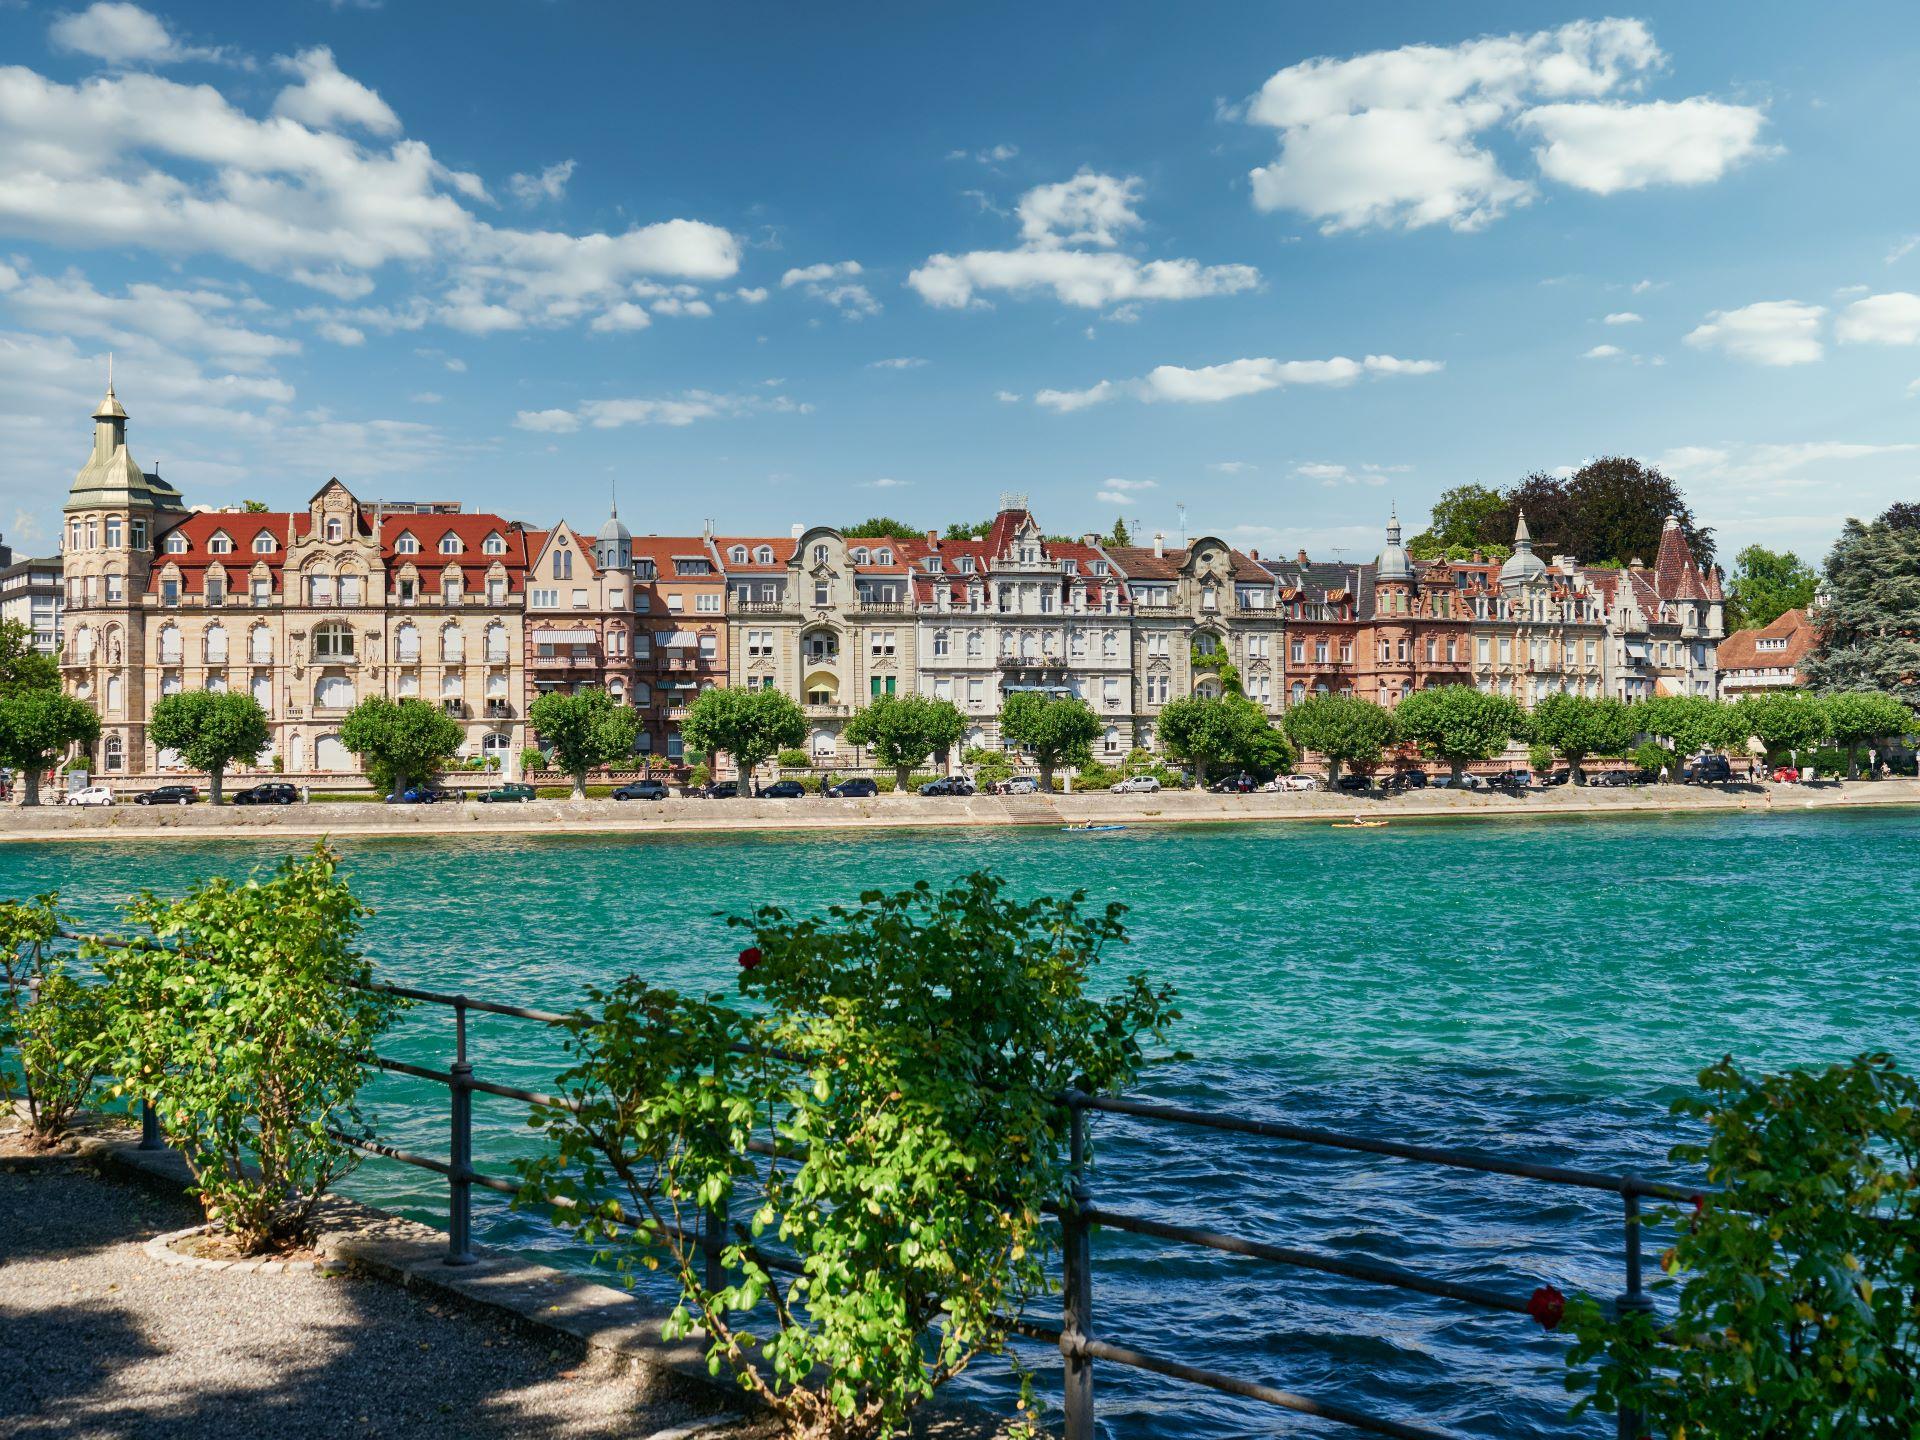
x: 1633, y: 1300
x: 1076, y: 1282
x: 149, y: 1127
x: 460, y: 1146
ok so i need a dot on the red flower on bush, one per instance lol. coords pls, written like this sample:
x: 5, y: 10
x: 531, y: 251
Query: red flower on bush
x: 1547, y: 1305
x: 749, y: 957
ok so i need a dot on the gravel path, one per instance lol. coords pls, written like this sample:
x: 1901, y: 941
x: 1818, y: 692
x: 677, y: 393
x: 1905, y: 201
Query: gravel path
x: 98, y: 1340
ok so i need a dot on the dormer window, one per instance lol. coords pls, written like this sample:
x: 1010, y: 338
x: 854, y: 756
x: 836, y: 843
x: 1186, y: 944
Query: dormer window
x: 883, y: 557
x: 1098, y: 567
x: 493, y: 544
x: 176, y: 544
x: 966, y: 564
x: 763, y: 555
x: 858, y: 556
x: 1068, y: 567
x: 819, y: 554
x: 450, y: 544
x: 220, y: 544
x: 336, y: 529
x: 406, y: 545
x: 933, y: 565
x: 263, y: 543
x: 737, y: 555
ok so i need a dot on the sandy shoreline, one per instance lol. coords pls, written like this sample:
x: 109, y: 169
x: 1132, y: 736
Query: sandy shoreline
x: 674, y: 817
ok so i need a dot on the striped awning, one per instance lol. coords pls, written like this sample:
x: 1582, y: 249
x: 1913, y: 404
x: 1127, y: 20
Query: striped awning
x: 679, y: 639
x: 564, y: 637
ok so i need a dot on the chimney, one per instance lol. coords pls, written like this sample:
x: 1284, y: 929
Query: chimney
x: 707, y: 528
x: 1565, y: 562
x: 1253, y: 555
x: 1301, y: 558
x: 933, y: 539
x: 1089, y: 540
x: 1635, y: 564
x: 1159, y: 545
x: 798, y: 531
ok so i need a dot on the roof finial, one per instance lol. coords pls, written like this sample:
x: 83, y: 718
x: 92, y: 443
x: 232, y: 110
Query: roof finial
x: 109, y: 372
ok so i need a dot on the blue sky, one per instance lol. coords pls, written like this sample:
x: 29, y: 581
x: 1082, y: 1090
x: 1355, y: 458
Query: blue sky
x: 773, y: 264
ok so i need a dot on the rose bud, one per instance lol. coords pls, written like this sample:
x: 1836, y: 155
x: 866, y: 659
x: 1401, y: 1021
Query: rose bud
x: 749, y: 957
x: 1547, y: 1305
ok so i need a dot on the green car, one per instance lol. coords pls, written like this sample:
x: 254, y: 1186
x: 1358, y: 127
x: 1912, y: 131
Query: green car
x: 507, y: 793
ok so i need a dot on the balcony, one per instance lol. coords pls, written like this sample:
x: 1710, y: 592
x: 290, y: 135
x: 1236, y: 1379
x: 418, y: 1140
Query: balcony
x: 680, y: 664
x: 1158, y: 612
x: 763, y: 607
x: 564, y: 662
x: 1032, y: 662
x: 499, y: 710
x: 883, y: 607
x: 457, y: 709
x: 826, y: 712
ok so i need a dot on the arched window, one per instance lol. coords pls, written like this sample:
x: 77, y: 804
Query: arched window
x: 220, y: 543
x: 407, y: 544
x: 336, y: 529
x: 113, y: 694
x: 883, y: 557
x: 216, y: 645
x: 333, y: 692
x: 450, y: 544
x: 763, y: 555
x: 333, y: 641
x: 113, y: 754
x: 170, y: 648
x: 406, y: 644
x: 737, y: 554
x: 493, y: 544
x: 83, y: 645
x: 973, y: 644
x: 176, y: 544
x: 263, y: 543
x: 453, y: 644
x: 858, y: 555
x: 820, y: 553
x: 496, y: 644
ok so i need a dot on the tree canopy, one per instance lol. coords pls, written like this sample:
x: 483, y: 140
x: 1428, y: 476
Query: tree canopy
x: 400, y: 741
x: 1869, y: 619
x: 1609, y: 511
x: 1580, y: 725
x: 585, y: 730
x: 882, y: 527
x: 1690, y: 723
x: 1054, y: 729
x: 1765, y: 585
x: 749, y: 725
x: 1345, y: 729
x: 1855, y: 717
x: 21, y: 666
x: 1782, y: 720
x: 38, y: 727
x: 210, y: 730
x: 904, y: 730
x: 976, y: 531
x: 1458, y: 724
x: 1219, y: 730
x: 1461, y: 519
x: 1119, y: 535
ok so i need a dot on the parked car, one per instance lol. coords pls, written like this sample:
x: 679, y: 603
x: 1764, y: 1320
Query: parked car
x: 720, y: 790
x: 854, y: 787
x: 1136, y: 785
x: 1468, y: 781
x: 948, y: 785
x: 1241, y: 784
x: 1557, y: 777
x: 1707, y: 770
x: 1615, y: 779
x: 168, y: 795
x: 508, y: 794
x: 1410, y: 779
x: 1513, y: 780
x: 783, y: 790
x: 89, y: 795
x: 419, y: 795
x: 267, y: 792
x: 640, y: 790
x: 1351, y: 784
x: 1017, y: 785
x: 1786, y: 774
x: 1291, y: 782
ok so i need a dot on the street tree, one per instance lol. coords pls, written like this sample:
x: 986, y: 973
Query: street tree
x: 1869, y: 621
x: 400, y: 742
x: 1688, y: 724
x: 1459, y: 724
x: 1347, y: 730
x: 1858, y: 717
x: 1054, y: 729
x: 1208, y: 730
x: 585, y: 730
x: 210, y: 730
x: 21, y: 666
x: 1765, y: 585
x: 1782, y: 720
x: 39, y: 727
x: 1580, y: 725
x: 749, y: 725
x: 904, y: 731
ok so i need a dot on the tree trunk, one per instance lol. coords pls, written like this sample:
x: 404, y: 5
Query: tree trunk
x: 30, y: 777
x: 1456, y: 769
x: 1046, y: 777
x: 399, y: 784
x: 902, y: 774
x: 1576, y: 773
x: 579, y: 784
x: 1333, y: 771
x: 1853, y: 762
x: 1200, y: 772
x: 214, y: 775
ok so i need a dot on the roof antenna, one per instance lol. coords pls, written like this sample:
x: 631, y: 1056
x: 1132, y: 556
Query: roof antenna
x: 109, y: 369
x: 1181, y: 506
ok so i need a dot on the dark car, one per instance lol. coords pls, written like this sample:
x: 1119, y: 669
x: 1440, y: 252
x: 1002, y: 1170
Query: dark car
x: 511, y: 793
x: 1354, y: 784
x: 1241, y: 784
x: 720, y: 790
x: 783, y: 790
x: 1614, y: 779
x: 419, y: 795
x: 856, y: 787
x: 1707, y: 770
x: 1513, y: 780
x: 267, y: 792
x: 1557, y: 777
x: 948, y: 785
x: 640, y: 790
x: 168, y: 795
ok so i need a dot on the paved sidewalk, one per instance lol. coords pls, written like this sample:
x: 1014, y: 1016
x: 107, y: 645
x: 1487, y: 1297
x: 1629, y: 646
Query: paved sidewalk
x: 99, y: 1340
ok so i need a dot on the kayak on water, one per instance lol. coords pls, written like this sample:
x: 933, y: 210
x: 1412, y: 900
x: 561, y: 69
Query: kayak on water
x: 1359, y: 824
x: 1090, y: 829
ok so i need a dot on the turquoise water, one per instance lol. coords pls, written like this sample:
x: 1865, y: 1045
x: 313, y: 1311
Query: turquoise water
x: 1529, y: 987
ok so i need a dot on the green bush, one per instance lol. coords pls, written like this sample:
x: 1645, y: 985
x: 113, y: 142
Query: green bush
x: 989, y: 766
x: 1096, y: 776
x: 49, y: 1021
x: 531, y: 760
x: 1829, y: 762
x: 794, y: 760
x: 1793, y: 1287
x: 237, y: 1016
x: 1540, y: 758
x: 699, y: 775
x: 904, y: 1059
x: 1651, y: 757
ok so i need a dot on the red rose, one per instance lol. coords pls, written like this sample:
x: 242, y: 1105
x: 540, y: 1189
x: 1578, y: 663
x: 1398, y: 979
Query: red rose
x: 1547, y: 1306
x: 749, y: 957
x: 1699, y: 1206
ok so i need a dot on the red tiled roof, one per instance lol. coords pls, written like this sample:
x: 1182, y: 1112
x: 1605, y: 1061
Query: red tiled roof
x: 782, y: 546
x: 200, y: 528
x: 1741, y: 650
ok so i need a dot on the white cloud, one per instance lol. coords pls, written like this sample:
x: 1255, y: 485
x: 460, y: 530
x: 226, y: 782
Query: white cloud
x: 899, y: 362
x: 1621, y: 317
x: 341, y: 334
x: 1090, y: 209
x: 1231, y: 467
x: 993, y: 155
x: 1211, y: 384
x: 426, y: 397
x: 683, y: 409
x: 122, y: 34
x: 203, y: 321
x: 1890, y: 319
x: 325, y: 99
x: 547, y: 422
x: 1903, y: 249
x: 1130, y: 486
x: 674, y: 305
x: 834, y: 283
x: 1604, y: 352
x: 1007, y: 397
x: 1329, y: 474
x: 1395, y: 138
x: 548, y: 184
x: 1641, y: 287
x: 624, y: 316
x: 1771, y: 332
x: 886, y: 482
x: 1607, y: 148
x: 1776, y: 469
x: 751, y: 295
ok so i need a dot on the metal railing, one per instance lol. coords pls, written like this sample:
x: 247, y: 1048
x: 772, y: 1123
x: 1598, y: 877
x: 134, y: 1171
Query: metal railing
x: 1078, y: 1213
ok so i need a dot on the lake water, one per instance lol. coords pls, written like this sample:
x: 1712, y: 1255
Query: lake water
x: 1535, y: 988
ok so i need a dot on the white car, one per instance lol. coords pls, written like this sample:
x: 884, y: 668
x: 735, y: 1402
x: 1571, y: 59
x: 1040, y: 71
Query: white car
x: 1137, y: 785
x: 1292, y: 782
x: 89, y: 795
